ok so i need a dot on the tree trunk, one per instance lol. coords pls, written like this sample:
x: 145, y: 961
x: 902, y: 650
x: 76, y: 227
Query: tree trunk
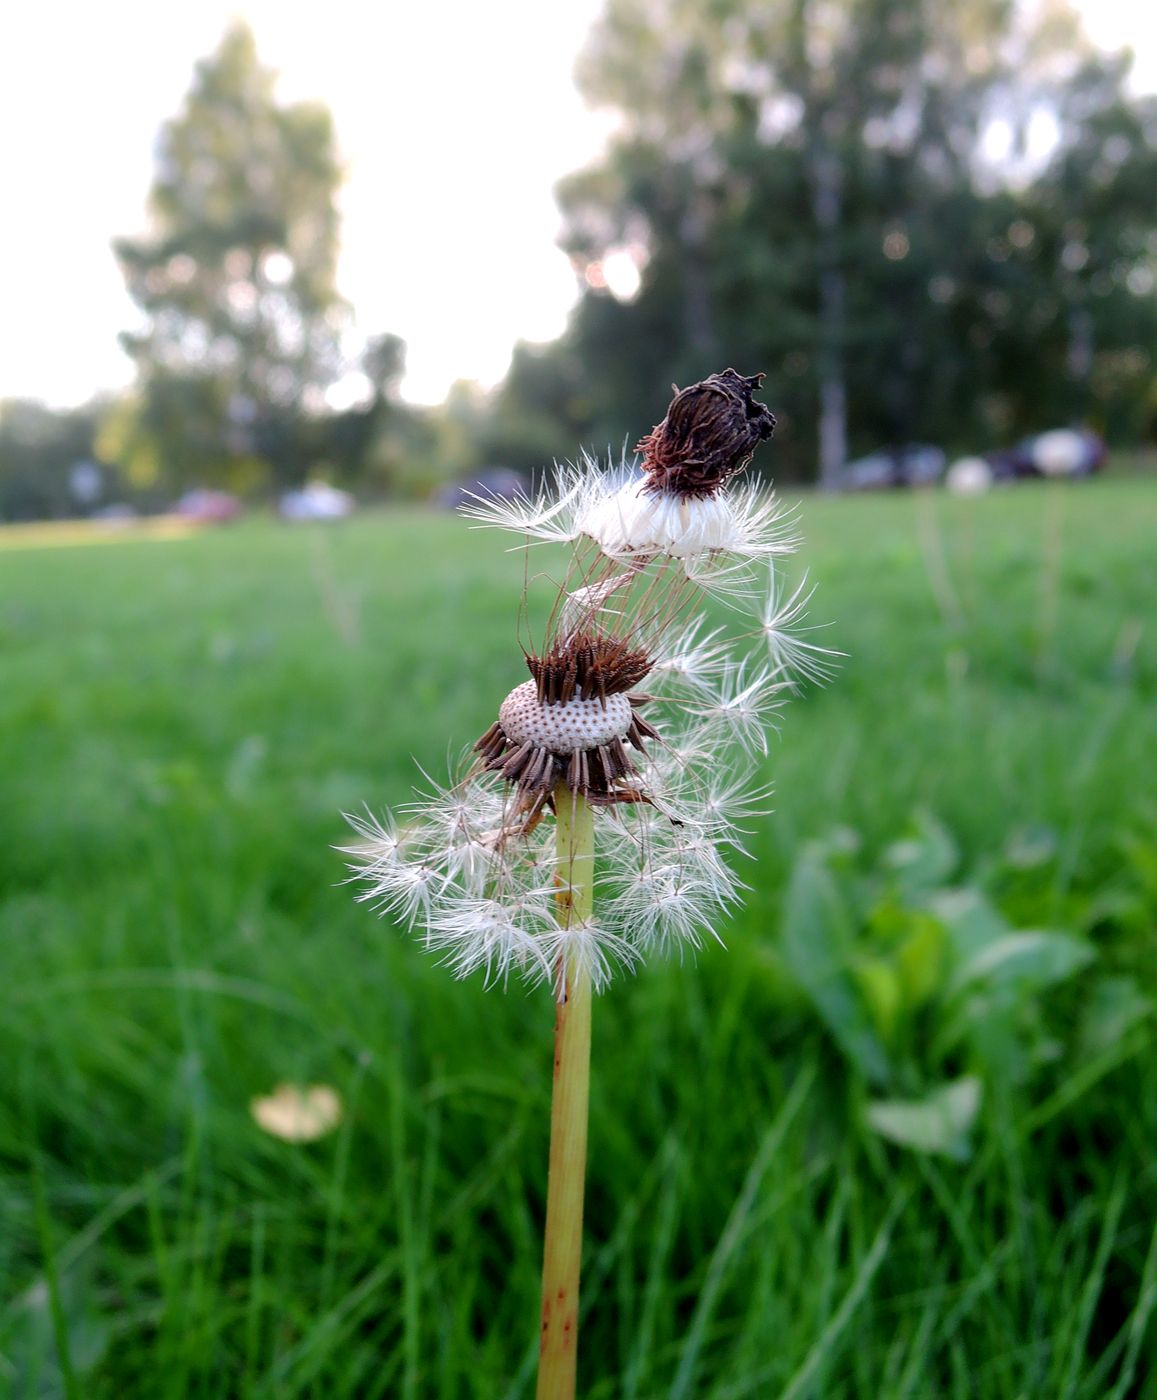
x: 699, y: 321
x: 833, y: 424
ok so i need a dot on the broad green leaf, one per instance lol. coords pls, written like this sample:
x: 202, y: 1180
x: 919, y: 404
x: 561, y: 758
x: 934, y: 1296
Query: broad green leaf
x: 985, y: 1020
x: 839, y: 844
x: 972, y: 922
x: 31, y: 1363
x: 818, y: 950
x: 920, y: 959
x: 880, y: 987
x: 924, y: 859
x: 1036, y: 957
x: 939, y: 1122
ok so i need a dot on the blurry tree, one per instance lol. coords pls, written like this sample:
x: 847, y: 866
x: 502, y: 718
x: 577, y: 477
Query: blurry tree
x: 1093, y: 221
x: 47, y: 466
x: 358, y: 444
x: 235, y: 280
x: 808, y: 187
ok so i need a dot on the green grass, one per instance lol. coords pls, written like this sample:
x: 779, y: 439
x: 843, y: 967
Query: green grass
x: 181, y: 725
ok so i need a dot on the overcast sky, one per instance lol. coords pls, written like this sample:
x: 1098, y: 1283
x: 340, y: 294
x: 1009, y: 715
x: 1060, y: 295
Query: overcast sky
x: 454, y: 121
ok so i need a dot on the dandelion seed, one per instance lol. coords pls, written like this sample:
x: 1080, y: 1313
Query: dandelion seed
x: 667, y: 907
x: 494, y: 936
x: 789, y: 651
x: 548, y: 517
x: 741, y: 709
x: 592, y: 951
x: 696, y: 659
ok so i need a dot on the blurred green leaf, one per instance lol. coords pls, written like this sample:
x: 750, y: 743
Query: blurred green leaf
x: 28, y: 1342
x: 879, y: 984
x: 940, y: 1122
x: 1141, y: 858
x: 1116, y: 1005
x: 818, y: 947
x: 984, y: 1024
x: 1029, y: 847
x: 839, y: 845
x: 972, y: 922
x: 920, y: 960
x: 924, y: 859
x: 1036, y: 958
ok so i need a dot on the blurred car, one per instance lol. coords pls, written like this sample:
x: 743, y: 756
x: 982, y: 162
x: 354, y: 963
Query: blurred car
x: 1058, y: 452
x: 208, y: 507
x: 969, y: 476
x: 499, y: 483
x: 317, y: 501
x: 917, y: 464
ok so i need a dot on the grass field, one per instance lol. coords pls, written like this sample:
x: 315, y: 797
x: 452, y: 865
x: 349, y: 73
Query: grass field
x: 181, y: 724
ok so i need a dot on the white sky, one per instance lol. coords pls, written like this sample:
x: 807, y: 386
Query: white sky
x: 455, y: 118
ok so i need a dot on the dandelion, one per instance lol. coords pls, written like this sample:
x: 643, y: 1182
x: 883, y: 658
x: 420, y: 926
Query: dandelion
x: 592, y: 822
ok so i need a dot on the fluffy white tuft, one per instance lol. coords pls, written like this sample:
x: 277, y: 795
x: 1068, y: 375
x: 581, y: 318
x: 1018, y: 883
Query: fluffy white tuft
x: 494, y: 936
x: 787, y: 647
x: 591, y: 949
x: 740, y: 709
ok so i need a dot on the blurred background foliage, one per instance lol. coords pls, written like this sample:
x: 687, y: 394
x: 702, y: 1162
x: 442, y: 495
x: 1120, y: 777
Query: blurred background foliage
x: 925, y: 222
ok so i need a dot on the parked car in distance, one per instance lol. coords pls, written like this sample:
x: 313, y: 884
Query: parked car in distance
x: 208, y: 507
x: 316, y: 501
x: 916, y: 464
x: 1058, y: 452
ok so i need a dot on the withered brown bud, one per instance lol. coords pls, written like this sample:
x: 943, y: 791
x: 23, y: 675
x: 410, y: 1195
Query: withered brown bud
x: 709, y: 435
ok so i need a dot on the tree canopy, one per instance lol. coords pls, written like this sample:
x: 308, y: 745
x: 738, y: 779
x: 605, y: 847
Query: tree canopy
x: 813, y: 187
x: 235, y: 278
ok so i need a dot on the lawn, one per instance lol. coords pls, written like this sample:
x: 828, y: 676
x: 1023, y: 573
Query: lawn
x: 895, y: 1140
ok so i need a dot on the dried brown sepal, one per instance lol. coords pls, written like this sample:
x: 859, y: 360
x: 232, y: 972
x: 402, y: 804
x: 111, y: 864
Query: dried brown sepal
x: 590, y: 665
x: 709, y: 435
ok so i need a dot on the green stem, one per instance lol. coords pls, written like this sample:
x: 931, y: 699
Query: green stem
x: 562, y: 1250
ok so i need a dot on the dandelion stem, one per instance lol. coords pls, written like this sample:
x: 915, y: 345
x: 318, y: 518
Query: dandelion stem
x: 562, y: 1252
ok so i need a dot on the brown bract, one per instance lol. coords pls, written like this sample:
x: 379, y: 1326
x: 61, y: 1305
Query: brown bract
x: 586, y: 666
x: 709, y: 435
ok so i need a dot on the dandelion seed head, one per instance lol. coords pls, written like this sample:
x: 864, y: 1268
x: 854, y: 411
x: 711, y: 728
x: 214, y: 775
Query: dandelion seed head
x: 576, y: 725
x: 635, y: 702
x: 635, y: 521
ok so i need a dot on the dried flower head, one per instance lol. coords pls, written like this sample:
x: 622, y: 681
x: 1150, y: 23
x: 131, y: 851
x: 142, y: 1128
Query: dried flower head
x: 709, y: 435
x: 473, y: 865
x: 670, y: 502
